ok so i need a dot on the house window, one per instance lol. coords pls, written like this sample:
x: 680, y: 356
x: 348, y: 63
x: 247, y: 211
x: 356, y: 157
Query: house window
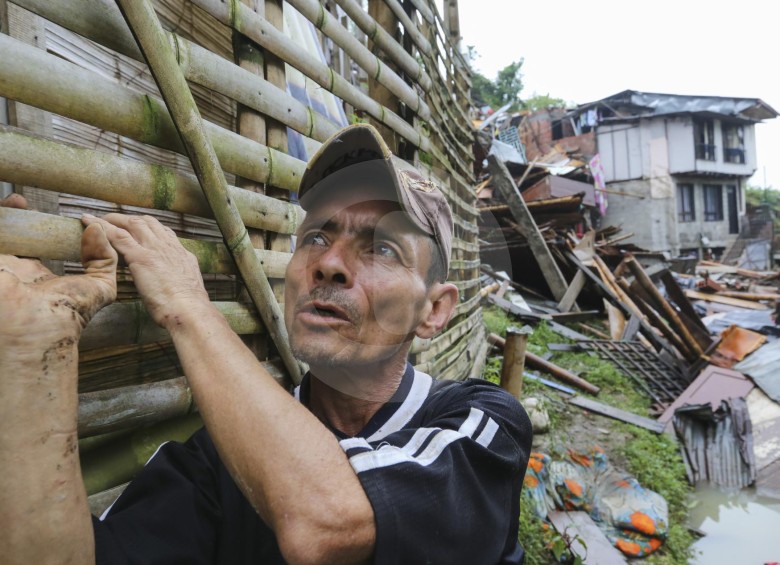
x: 713, y: 203
x: 704, y: 138
x: 734, y: 143
x: 685, y: 208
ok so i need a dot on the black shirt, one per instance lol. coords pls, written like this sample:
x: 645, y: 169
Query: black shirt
x: 442, y: 464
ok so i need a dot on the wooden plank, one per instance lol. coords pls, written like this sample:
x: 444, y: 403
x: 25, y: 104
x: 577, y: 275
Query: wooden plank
x: 580, y: 526
x: 607, y: 293
x: 523, y: 314
x: 617, y: 414
x: 570, y: 297
x: 631, y: 329
x: 503, y: 181
x: 725, y: 300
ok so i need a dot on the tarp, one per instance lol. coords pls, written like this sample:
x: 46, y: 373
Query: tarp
x: 634, y: 519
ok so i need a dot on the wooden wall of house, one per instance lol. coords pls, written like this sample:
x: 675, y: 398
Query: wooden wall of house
x: 87, y: 131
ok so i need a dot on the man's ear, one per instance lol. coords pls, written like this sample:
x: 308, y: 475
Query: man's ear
x: 443, y: 298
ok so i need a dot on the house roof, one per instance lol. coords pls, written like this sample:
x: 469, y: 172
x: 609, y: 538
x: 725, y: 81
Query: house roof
x: 631, y: 104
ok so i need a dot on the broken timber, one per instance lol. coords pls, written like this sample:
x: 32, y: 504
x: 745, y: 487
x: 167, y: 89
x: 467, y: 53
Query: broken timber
x: 560, y: 373
x: 617, y: 413
x: 588, y: 541
x: 506, y: 186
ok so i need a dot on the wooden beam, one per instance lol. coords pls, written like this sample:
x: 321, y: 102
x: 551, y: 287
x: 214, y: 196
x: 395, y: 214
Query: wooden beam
x: 514, y: 360
x: 747, y: 304
x: 503, y: 181
x: 570, y: 297
x: 617, y: 413
x: 588, y: 541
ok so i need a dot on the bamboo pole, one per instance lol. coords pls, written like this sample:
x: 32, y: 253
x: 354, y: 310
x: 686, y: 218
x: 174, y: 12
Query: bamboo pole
x: 425, y: 10
x: 275, y: 131
x: 386, y: 42
x: 245, y: 21
x: 28, y: 159
x: 27, y: 233
x: 514, y: 360
x: 543, y: 365
x: 133, y: 406
x: 212, y: 71
x: 118, y: 462
x: 102, y: 25
x: 151, y: 39
x: 198, y: 64
x: 127, y: 323
x: 409, y: 26
x: 374, y: 67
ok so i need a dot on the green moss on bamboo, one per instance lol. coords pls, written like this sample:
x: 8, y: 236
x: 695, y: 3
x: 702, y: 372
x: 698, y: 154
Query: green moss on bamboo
x: 151, y: 120
x: 164, y: 189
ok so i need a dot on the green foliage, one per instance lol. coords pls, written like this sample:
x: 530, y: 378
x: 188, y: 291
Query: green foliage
x: 656, y: 463
x: 356, y: 119
x: 504, y: 89
x: 533, y: 535
x: 540, y: 101
x: 496, y: 320
x: 755, y: 196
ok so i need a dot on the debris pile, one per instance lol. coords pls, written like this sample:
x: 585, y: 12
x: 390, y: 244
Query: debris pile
x: 698, y: 337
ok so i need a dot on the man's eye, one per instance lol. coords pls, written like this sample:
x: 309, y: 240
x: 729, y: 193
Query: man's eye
x: 384, y: 250
x: 314, y: 239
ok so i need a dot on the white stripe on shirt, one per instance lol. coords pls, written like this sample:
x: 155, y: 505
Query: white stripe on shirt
x: 418, y: 392
x: 391, y: 455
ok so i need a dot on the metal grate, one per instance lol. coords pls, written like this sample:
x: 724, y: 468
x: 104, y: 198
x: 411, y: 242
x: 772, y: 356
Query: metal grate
x: 661, y: 380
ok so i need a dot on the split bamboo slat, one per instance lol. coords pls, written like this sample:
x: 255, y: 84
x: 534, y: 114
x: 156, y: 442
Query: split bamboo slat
x: 114, y: 145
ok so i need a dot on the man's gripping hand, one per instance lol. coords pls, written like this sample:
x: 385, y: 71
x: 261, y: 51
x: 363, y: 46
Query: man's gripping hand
x: 166, y: 275
x: 36, y: 305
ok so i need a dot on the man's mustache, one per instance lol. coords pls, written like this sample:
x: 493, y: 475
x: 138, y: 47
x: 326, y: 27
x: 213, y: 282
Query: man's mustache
x: 334, y: 296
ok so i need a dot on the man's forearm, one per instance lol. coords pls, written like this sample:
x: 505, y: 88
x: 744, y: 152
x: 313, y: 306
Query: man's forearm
x: 287, y: 463
x: 44, y: 517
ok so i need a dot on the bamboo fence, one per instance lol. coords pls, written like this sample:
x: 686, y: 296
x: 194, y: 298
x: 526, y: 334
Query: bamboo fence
x: 88, y: 129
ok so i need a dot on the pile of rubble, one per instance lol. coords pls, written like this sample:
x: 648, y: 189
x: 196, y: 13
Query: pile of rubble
x: 697, y: 337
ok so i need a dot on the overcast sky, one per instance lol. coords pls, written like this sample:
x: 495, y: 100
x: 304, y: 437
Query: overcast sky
x: 584, y: 51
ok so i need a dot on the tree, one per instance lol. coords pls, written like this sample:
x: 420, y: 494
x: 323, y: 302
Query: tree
x: 540, y: 101
x: 503, y: 90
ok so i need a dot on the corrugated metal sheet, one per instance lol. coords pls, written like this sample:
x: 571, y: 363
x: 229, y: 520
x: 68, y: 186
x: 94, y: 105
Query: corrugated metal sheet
x: 717, y: 444
x: 761, y: 366
x: 657, y: 104
x: 711, y: 387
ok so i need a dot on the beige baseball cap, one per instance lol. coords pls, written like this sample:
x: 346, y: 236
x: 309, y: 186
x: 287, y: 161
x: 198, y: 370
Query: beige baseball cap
x: 421, y: 199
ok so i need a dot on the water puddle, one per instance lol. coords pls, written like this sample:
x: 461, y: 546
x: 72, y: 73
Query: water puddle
x: 741, y: 527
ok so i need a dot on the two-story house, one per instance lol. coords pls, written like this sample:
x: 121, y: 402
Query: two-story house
x: 675, y: 166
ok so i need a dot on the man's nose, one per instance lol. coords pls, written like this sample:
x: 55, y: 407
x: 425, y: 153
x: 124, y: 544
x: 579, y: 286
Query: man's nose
x: 332, y: 267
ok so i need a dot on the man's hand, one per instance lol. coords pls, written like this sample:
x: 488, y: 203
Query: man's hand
x: 44, y: 517
x: 166, y: 275
x: 36, y: 305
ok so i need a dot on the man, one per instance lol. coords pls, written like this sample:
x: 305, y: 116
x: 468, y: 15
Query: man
x: 370, y: 462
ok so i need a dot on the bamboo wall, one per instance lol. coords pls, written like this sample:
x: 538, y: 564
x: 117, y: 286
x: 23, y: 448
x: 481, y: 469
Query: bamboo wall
x: 87, y: 131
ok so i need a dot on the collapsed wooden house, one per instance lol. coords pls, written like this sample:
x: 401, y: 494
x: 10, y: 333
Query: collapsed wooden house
x: 87, y: 131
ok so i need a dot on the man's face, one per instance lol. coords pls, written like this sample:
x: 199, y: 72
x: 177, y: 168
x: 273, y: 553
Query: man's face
x: 355, y: 287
